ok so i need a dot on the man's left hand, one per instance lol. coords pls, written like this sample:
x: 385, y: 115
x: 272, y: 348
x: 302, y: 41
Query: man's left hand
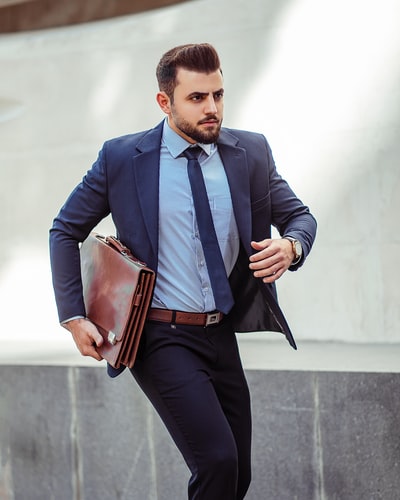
x: 272, y: 259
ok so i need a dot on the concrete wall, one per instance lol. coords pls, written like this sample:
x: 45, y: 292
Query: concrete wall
x: 74, y: 434
x: 320, y: 80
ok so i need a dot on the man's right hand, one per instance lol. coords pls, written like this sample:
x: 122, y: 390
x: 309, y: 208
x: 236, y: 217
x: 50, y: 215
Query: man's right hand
x: 86, y: 336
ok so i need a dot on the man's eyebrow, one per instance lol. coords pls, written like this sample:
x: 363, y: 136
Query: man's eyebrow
x: 197, y: 93
x: 219, y: 91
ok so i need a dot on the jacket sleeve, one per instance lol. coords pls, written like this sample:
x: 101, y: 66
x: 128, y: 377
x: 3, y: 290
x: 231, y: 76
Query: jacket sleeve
x: 86, y: 206
x: 281, y: 206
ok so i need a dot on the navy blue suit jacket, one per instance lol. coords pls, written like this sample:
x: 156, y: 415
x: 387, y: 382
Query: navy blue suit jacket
x: 124, y: 181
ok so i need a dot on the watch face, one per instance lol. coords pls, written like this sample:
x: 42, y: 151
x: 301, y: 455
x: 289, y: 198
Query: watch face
x: 298, y: 249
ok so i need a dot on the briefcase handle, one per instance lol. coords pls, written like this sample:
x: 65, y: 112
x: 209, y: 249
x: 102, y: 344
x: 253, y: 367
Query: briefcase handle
x: 114, y: 243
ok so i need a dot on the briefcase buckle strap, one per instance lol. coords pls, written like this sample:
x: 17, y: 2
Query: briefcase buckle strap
x: 213, y: 318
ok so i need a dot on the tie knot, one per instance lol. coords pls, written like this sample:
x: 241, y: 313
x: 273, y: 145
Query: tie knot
x: 192, y: 152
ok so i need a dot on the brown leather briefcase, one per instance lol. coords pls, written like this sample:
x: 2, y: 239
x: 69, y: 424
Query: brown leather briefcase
x: 117, y: 290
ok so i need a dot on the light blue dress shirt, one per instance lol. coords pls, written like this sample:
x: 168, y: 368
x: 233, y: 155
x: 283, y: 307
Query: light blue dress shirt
x: 182, y: 281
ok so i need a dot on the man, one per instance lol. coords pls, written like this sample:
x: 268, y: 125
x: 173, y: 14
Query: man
x: 188, y: 364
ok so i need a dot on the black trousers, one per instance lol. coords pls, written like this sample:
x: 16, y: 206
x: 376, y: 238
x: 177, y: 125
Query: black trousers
x: 194, y: 378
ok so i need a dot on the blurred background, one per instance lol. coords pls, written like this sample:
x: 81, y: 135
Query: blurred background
x: 319, y: 79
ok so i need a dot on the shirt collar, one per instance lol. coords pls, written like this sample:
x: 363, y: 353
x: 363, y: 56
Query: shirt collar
x: 176, y: 144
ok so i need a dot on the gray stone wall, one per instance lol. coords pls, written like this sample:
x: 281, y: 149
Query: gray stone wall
x: 71, y: 433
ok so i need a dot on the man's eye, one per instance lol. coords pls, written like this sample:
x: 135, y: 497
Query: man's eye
x: 218, y: 95
x: 196, y: 98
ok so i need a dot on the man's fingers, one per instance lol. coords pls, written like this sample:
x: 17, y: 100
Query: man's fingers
x: 98, y: 339
x: 260, y: 245
x: 86, y: 337
x: 271, y: 259
x: 256, y: 245
x: 87, y: 347
x: 91, y: 351
x: 97, y: 342
x: 92, y: 340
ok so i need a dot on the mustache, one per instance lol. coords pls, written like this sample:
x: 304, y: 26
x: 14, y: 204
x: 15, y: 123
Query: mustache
x: 211, y: 117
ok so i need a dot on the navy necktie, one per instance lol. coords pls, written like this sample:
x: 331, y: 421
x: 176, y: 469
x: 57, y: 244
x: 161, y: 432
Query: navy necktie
x: 215, y: 264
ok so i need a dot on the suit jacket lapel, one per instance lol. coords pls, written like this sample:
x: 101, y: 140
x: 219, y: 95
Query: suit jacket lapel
x: 235, y: 163
x: 146, y: 167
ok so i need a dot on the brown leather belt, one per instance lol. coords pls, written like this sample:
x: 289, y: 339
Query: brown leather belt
x: 184, y: 318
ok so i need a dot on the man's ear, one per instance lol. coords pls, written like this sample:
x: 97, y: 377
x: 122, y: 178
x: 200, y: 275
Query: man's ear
x: 164, y: 102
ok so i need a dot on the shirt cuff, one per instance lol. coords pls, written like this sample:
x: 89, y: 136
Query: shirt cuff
x: 70, y: 319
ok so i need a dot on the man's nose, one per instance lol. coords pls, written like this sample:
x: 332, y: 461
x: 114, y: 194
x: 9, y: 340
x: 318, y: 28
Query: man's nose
x: 211, y: 107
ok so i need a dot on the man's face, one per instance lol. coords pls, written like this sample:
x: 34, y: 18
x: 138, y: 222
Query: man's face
x: 197, y: 111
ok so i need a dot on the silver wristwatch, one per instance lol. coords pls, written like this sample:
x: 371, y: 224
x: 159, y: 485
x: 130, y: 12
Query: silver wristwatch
x: 297, y: 249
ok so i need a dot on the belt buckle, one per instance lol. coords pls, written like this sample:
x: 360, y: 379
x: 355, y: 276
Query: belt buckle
x: 212, y: 318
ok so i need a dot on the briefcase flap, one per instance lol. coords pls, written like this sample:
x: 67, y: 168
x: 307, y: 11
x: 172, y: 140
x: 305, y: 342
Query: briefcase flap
x: 110, y: 276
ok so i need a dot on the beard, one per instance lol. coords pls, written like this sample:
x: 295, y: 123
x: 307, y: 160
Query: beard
x: 196, y: 133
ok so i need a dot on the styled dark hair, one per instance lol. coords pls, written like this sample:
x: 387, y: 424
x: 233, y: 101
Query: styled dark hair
x: 201, y: 57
